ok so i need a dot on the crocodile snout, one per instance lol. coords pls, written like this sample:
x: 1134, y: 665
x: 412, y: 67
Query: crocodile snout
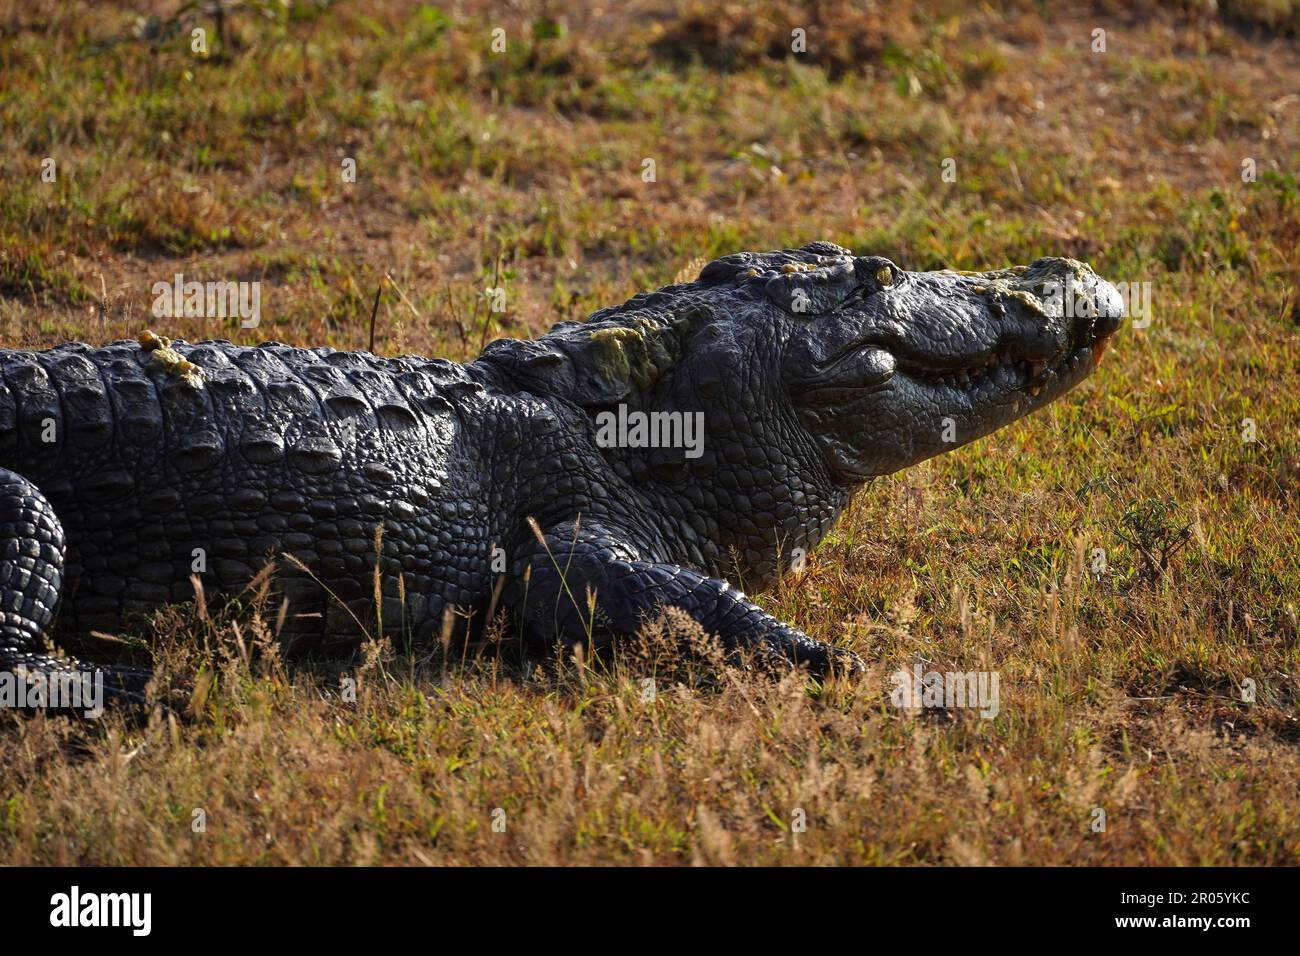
x: 1099, y: 317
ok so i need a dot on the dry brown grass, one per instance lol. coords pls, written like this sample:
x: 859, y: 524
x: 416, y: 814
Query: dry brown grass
x: 1120, y: 692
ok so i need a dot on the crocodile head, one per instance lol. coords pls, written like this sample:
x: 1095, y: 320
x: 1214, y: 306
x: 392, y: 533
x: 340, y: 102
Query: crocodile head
x: 885, y: 368
x: 808, y: 372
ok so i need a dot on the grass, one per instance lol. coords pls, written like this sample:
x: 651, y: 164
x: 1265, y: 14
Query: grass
x: 1121, y: 689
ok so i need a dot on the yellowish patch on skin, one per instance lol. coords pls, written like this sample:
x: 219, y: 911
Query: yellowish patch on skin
x: 615, y: 335
x: 1003, y: 288
x: 640, y: 354
x: 150, y: 340
x: 1032, y: 293
x: 623, y: 352
x: 167, y: 358
x: 1029, y: 299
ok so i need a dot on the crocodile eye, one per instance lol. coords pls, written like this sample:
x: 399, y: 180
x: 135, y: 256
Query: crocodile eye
x: 885, y: 275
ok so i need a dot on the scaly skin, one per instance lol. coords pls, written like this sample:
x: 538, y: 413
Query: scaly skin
x: 127, y: 468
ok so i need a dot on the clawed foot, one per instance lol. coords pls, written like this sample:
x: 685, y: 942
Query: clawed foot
x: 821, y: 660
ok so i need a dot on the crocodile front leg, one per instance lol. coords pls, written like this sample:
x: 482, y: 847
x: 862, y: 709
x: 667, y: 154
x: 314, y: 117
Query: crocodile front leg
x: 553, y: 578
x: 31, y: 576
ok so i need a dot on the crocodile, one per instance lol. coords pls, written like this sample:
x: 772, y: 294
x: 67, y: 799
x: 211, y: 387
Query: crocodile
x: 676, y: 450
